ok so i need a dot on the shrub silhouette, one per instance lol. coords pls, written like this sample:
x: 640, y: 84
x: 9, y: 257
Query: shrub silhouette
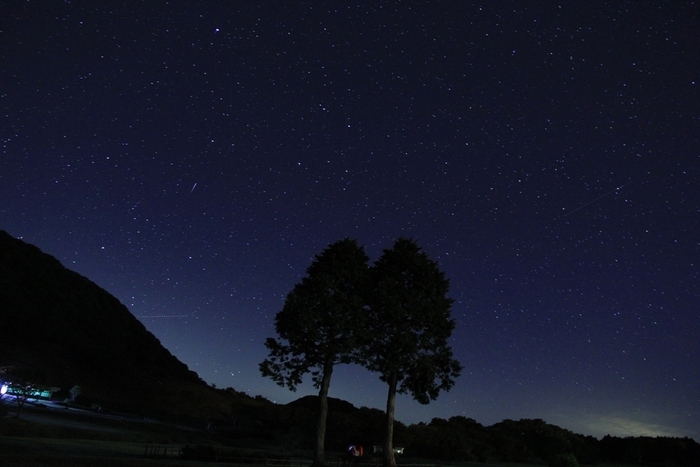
x: 563, y: 460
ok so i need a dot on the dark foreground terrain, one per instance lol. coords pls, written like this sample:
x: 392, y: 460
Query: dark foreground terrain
x: 44, y: 436
x: 58, y: 436
x: 63, y: 452
x: 61, y: 331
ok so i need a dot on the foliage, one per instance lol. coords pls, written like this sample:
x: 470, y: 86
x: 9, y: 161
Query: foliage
x: 321, y: 319
x: 563, y: 460
x: 409, y: 324
x: 65, y: 328
x: 320, y: 325
x: 534, y: 440
x: 456, y: 439
x: 461, y: 439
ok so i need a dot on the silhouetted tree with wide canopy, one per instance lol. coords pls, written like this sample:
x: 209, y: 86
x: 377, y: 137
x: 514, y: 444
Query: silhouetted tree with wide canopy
x: 320, y: 325
x: 409, y: 324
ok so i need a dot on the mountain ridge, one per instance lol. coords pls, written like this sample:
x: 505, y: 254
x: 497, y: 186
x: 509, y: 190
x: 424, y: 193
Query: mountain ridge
x: 65, y: 330
x: 60, y: 328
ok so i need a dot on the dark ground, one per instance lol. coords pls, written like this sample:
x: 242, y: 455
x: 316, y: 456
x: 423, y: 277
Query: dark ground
x: 63, y: 437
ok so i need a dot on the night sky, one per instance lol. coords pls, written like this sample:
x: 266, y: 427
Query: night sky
x: 191, y: 158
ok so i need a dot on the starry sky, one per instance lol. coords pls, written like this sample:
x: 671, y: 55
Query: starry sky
x: 191, y: 158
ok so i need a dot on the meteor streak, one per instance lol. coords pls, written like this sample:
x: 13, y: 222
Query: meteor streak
x: 598, y: 198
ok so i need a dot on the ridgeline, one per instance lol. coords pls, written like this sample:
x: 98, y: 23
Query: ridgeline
x: 59, y: 329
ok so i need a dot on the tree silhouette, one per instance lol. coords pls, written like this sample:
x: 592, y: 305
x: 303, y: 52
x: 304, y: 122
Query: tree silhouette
x: 320, y: 325
x: 410, y: 324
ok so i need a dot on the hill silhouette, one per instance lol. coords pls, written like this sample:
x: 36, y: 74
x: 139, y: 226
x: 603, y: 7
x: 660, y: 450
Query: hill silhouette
x: 61, y: 329
x: 334, y: 405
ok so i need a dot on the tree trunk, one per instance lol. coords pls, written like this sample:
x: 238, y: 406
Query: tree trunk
x: 319, y: 452
x: 388, y: 448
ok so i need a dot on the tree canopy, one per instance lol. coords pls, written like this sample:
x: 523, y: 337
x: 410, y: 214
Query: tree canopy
x: 410, y: 325
x: 321, y: 324
x: 393, y: 318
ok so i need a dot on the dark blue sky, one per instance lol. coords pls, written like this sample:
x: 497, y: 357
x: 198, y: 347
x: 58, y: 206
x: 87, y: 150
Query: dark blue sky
x: 192, y: 157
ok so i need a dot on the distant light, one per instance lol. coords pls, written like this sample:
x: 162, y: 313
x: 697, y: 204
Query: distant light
x: 3, y: 389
